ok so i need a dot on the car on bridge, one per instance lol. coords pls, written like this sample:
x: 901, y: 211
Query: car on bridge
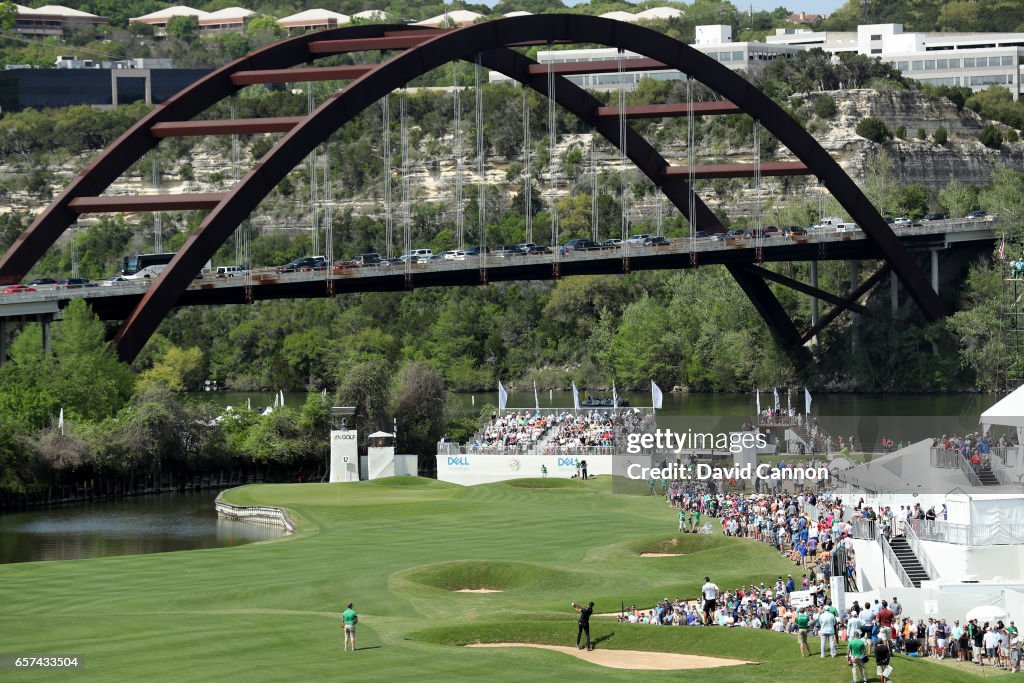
x: 580, y: 245
x: 933, y: 217
x: 537, y: 249
x: 17, y: 289
x: 114, y: 280
x: 508, y: 251
x: 343, y: 265
x: 737, y: 234
x: 476, y: 250
x: 795, y: 231
x: 614, y: 242
x: 525, y: 247
x: 979, y: 213
x: 75, y: 283
x: 370, y: 258
x: 701, y: 234
x: 639, y: 239
x: 455, y: 255
x: 902, y: 222
x: 657, y: 241
x: 231, y: 271
x: 303, y: 263
x: 42, y: 281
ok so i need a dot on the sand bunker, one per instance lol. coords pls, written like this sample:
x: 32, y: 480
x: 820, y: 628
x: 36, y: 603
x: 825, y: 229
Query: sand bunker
x: 479, y: 590
x: 631, y: 659
x: 662, y: 554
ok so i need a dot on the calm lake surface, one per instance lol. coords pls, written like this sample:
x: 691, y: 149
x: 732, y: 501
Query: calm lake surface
x: 129, y: 526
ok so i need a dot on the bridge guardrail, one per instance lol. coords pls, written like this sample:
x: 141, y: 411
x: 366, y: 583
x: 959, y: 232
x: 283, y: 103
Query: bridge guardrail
x: 678, y: 246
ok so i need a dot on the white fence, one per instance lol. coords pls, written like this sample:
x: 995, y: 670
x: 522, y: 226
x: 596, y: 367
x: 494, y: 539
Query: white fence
x: 255, y: 514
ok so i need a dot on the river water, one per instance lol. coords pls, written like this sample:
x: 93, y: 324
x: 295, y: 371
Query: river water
x: 128, y: 526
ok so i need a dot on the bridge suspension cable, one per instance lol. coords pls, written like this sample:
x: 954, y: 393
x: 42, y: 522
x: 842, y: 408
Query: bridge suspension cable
x: 594, y: 217
x: 313, y: 189
x: 158, y: 238
x: 239, y: 246
x: 527, y: 177
x: 623, y: 185
x: 389, y: 224
x: 758, y: 232
x: 406, y: 199
x: 481, y: 195
x: 460, y: 216
x: 552, y: 153
x: 691, y: 162
x: 328, y: 214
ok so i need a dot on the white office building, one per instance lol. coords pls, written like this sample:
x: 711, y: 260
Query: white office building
x: 974, y: 60
x: 715, y: 41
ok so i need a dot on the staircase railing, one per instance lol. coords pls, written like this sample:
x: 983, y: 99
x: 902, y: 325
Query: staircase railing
x: 965, y: 467
x: 915, y: 545
x: 888, y: 554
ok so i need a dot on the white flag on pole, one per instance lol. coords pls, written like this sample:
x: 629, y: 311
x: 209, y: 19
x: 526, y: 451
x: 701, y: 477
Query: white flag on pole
x: 778, y: 403
x: 536, y: 397
x: 575, y: 397
x: 615, y: 397
x: 282, y: 397
x: 60, y: 422
x: 656, y: 396
x: 789, y: 399
x: 757, y: 392
x: 502, y: 396
x: 807, y: 401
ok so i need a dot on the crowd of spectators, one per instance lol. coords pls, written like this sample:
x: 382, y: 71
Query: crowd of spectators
x: 550, y: 432
x: 976, y: 448
x: 514, y: 430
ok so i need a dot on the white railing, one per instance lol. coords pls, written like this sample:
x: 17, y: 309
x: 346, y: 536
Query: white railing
x: 255, y: 514
x: 889, y: 555
x: 966, y: 534
x: 915, y: 545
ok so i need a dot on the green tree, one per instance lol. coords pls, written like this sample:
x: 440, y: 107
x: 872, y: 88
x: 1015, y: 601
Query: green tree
x: 420, y: 405
x: 873, y: 129
x: 824, y: 106
x: 991, y: 137
x: 958, y: 199
x: 184, y: 29
x: 940, y: 136
x: 366, y: 386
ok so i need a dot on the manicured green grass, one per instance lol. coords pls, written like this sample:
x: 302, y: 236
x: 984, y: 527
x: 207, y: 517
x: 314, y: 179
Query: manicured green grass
x: 399, y: 549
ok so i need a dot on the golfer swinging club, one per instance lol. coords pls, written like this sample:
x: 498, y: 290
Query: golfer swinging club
x: 584, y: 623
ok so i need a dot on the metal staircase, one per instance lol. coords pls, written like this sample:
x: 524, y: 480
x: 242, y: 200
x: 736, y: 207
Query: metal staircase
x: 908, y: 560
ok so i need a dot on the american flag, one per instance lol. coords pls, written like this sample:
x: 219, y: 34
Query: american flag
x: 1002, y: 249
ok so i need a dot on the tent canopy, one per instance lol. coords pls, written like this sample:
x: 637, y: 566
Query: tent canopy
x: 1008, y: 412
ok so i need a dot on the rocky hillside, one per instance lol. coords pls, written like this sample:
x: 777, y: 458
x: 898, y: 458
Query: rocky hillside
x: 915, y: 160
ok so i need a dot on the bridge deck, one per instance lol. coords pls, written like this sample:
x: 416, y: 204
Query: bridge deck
x: 116, y: 301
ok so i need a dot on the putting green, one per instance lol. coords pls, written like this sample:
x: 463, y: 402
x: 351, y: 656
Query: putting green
x: 401, y: 550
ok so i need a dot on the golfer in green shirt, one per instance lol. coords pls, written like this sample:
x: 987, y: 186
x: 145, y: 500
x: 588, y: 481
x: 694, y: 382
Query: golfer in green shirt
x: 858, y: 657
x: 803, y: 623
x: 349, y: 619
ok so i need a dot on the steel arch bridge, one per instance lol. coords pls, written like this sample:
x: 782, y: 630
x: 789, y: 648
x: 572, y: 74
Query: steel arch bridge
x: 418, y: 51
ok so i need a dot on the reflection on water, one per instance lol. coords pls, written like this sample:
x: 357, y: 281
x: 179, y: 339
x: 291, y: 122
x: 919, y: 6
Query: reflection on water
x: 131, y: 526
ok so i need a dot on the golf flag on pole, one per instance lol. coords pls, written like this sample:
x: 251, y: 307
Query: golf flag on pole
x: 575, y: 397
x: 807, y: 401
x: 778, y: 403
x: 282, y: 398
x: 60, y: 422
x: 615, y: 397
x: 502, y: 396
x: 656, y: 396
x: 757, y: 392
x: 536, y: 397
x: 789, y: 399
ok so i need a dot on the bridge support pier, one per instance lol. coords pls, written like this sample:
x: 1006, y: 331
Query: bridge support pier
x: 935, y: 270
x: 894, y: 295
x: 814, y: 299
x: 45, y: 321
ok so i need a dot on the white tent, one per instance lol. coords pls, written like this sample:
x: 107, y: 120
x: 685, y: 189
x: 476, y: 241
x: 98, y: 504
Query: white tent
x: 985, y: 613
x: 1008, y: 412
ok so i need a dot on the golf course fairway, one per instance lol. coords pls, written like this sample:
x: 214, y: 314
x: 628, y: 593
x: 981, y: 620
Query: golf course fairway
x: 402, y: 550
